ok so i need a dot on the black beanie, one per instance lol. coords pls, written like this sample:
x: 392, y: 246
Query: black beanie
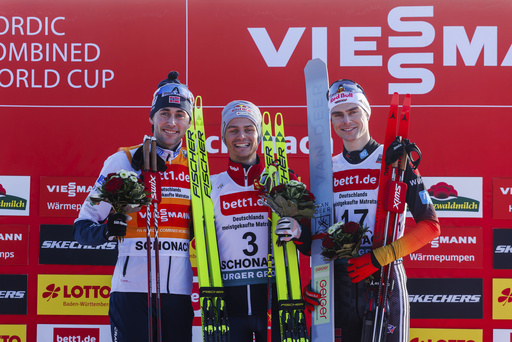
x: 171, y: 93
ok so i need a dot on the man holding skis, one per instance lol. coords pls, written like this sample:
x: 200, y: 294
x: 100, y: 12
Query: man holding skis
x: 350, y: 114
x: 242, y: 226
x: 170, y: 118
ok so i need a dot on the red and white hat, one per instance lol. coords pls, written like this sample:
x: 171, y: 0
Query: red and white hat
x: 347, y: 91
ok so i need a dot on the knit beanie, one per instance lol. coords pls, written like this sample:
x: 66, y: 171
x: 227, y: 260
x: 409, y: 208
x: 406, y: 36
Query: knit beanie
x: 241, y: 109
x: 171, y: 93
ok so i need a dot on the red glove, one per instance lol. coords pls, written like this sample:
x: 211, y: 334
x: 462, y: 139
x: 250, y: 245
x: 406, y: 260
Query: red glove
x: 362, y: 267
x: 310, y: 297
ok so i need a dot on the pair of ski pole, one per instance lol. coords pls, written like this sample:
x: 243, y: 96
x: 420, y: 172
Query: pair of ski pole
x: 152, y: 183
x: 394, y: 204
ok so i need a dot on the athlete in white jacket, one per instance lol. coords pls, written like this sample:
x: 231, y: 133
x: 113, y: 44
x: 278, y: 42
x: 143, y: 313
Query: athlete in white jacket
x: 170, y: 118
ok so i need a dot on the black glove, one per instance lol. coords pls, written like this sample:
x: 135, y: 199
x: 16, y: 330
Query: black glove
x: 116, y: 226
x: 138, y: 161
x: 395, y: 151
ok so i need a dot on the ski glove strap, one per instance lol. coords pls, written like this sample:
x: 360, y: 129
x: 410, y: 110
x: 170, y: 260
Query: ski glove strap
x: 116, y: 226
x: 287, y: 229
x: 310, y: 297
x: 362, y: 267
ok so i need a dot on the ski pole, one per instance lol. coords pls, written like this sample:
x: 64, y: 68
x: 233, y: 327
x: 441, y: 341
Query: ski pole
x: 156, y: 196
x: 395, y: 205
x: 146, y: 145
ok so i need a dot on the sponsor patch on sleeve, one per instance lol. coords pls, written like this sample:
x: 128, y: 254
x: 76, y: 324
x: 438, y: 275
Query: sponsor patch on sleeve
x: 425, y: 197
x: 101, y: 180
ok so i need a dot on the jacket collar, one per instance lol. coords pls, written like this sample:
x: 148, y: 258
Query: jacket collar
x: 238, y: 172
x: 166, y: 154
x: 355, y: 157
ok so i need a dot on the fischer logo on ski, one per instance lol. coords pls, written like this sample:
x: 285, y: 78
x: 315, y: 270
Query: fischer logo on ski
x: 215, y: 325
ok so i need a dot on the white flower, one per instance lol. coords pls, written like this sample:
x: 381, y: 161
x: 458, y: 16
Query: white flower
x: 294, y: 183
x: 334, y: 227
x: 133, y: 179
x: 124, y: 174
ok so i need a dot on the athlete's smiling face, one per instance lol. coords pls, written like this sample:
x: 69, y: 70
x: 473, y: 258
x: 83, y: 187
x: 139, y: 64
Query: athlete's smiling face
x: 169, y: 126
x: 241, y: 139
x: 350, y: 123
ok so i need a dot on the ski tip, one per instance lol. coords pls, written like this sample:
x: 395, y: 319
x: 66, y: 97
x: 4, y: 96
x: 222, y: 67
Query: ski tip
x: 266, y: 118
x: 395, y: 99
x: 278, y: 119
x: 198, y: 103
x: 315, y: 61
x: 407, y: 102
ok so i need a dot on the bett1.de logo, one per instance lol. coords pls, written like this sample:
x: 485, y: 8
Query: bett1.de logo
x: 76, y: 335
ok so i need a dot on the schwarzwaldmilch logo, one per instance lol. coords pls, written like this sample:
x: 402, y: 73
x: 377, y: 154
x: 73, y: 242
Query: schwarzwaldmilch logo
x: 11, y: 202
x: 52, y: 291
x: 445, y: 197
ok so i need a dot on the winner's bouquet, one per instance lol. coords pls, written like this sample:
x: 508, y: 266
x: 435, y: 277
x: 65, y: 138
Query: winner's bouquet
x: 122, y: 190
x: 291, y: 199
x: 342, y: 240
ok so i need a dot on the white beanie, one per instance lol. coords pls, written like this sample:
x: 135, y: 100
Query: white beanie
x: 241, y: 109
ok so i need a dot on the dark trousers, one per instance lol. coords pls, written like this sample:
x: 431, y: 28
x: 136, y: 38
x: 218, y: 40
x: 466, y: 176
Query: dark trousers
x: 128, y: 314
x: 241, y: 328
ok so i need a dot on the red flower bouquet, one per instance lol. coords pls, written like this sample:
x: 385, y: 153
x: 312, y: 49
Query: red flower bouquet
x: 121, y: 190
x: 342, y: 240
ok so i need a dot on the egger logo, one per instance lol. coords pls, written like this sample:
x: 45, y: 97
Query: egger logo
x: 241, y: 203
x: 73, y: 294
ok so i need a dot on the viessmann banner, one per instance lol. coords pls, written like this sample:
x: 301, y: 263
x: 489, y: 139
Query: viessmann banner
x: 410, y: 49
